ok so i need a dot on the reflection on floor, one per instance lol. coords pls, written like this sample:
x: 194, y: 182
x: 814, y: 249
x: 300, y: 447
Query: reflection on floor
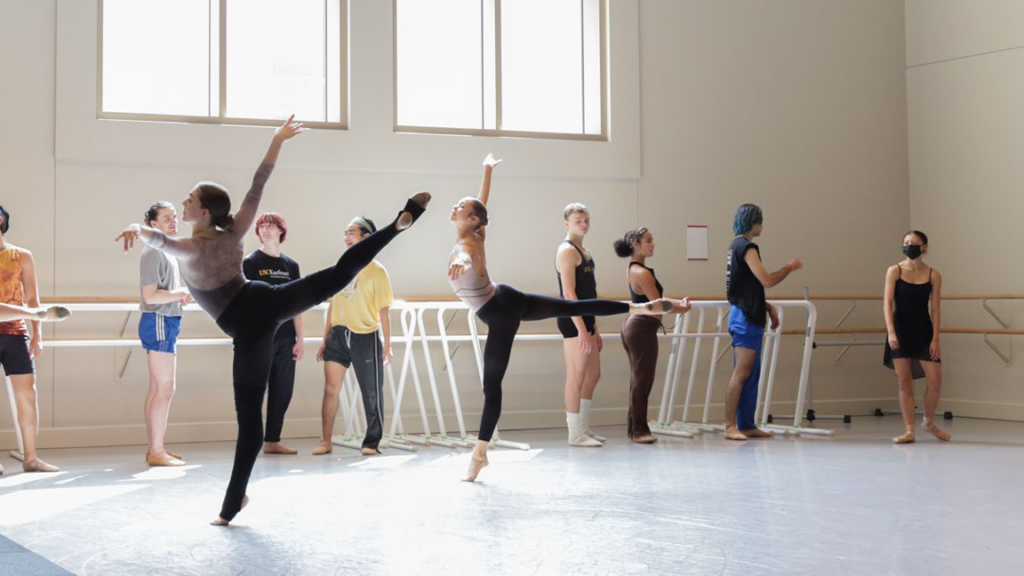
x: 853, y: 504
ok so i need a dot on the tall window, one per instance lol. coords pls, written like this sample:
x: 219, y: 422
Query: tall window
x: 223, y: 61
x: 501, y: 67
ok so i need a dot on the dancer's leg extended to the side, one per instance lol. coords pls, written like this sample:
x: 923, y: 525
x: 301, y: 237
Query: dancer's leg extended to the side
x: 11, y: 312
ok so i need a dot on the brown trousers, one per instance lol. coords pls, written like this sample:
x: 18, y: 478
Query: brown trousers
x: 640, y: 339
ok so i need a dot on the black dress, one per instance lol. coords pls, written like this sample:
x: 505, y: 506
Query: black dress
x: 913, y: 324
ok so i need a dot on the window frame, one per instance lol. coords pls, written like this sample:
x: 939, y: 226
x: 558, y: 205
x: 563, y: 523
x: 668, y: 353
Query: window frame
x: 220, y: 118
x: 498, y: 131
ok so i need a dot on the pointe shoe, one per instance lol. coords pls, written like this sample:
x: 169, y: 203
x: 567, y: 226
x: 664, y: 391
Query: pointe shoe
x: 906, y: 438
x: 414, y: 207
x: 654, y: 307
x: 584, y: 441
x: 937, y: 432
x: 645, y: 439
x: 475, y: 466
x: 163, y: 460
x: 323, y: 448
x: 756, y: 433
x: 222, y: 522
x: 278, y: 448
x: 369, y: 451
x: 735, y: 434
x: 38, y: 465
x: 53, y: 314
x: 600, y: 439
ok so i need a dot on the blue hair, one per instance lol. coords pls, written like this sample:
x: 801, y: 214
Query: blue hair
x: 747, y: 216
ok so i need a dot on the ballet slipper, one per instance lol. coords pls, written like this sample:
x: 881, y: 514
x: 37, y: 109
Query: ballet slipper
x: 277, y: 448
x: 163, y: 460
x: 414, y: 207
x: 584, y: 441
x: 222, y: 522
x: 369, y: 451
x: 906, y: 438
x: 655, y: 307
x: 476, y: 464
x: 593, y: 436
x: 53, y: 314
x: 756, y: 433
x: 169, y: 453
x: 735, y: 434
x: 645, y: 439
x: 37, y: 465
x: 1, y: 470
x: 323, y: 448
x: 936, y: 431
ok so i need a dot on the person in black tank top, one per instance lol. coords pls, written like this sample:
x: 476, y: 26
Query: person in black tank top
x: 912, y: 347
x: 640, y: 336
x: 582, y: 344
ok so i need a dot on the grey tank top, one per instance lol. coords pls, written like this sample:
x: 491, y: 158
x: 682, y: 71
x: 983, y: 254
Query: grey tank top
x: 473, y: 290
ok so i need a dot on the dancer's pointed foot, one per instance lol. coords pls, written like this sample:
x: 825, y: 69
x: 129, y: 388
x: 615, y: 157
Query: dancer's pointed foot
x: 222, y: 522
x: 756, y: 433
x: 654, y: 307
x: 52, y: 314
x: 277, y: 448
x: 476, y: 464
x: 37, y: 465
x: 936, y: 431
x: 906, y: 438
x: 735, y: 434
x: 414, y: 207
x: 645, y: 439
x: 323, y: 448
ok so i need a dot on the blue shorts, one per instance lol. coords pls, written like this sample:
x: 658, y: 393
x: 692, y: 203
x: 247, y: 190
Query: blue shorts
x: 159, y: 333
x: 744, y: 333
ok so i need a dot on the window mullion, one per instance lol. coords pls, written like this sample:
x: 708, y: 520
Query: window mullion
x: 497, y: 63
x: 223, y: 46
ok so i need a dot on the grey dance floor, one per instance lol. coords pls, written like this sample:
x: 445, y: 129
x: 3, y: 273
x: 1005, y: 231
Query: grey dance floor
x: 854, y: 504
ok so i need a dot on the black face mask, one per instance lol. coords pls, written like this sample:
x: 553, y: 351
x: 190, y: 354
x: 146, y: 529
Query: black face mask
x: 912, y: 251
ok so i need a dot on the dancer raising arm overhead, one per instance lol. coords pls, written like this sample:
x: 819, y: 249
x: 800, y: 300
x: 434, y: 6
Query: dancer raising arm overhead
x: 250, y: 312
x: 502, y: 308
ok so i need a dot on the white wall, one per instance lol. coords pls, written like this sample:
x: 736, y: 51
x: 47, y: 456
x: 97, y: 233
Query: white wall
x: 966, y: 137
x: 798, y: 107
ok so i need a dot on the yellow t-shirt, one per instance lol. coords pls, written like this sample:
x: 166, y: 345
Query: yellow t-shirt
x: 357, y: 307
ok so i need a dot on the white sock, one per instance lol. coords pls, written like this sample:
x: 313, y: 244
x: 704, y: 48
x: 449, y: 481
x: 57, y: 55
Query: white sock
x: 585, y: 414
x: 573, y: 420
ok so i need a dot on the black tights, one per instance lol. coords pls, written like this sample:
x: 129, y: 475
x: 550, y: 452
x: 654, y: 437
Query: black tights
x: 503, y: 313
x: 251, y: 320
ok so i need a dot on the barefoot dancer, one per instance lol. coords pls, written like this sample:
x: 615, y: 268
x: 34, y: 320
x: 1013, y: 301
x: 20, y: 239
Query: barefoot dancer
x: 18, y: 285
x: 269, y: 265
x: 350, y: 340
x: 640, y: 333
x: 912, y: 348
x: 502, y: 308
x: 582, y: 343
x: 745, y: 281
x: 250, y: 312
x: 162, y: 298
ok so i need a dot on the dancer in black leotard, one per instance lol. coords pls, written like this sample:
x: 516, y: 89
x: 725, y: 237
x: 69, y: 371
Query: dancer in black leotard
x: 250, y: 312
x: 503, y: 308
x: 912, y: 348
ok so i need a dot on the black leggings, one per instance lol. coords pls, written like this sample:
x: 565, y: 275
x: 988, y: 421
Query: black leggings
x: 281, y: 384
x: 503, y: 313
x: 251, y: 320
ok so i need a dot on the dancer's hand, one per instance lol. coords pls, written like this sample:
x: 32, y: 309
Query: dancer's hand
x: 894, y: 342
x: 289, y: 130
x: 320, y: 353
x: 35, y: 348
x: 129, y: 235
x: 934, y: 351
x: 299, y: 350
x: 458, y: 267
x: 774, y: 315
x: 388, y: 356
x: 187, y: 299
x: 586, y: 343
x: 794, y: 265
x: 598, y: 339
x: 491, y: 161
x: 683, y: 306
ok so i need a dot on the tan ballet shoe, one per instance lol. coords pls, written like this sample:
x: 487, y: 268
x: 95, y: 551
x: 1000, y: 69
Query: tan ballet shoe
x: 369, y: 452
x: 654, y: 307
x: 934, y: 430
x: 53, y: 314
x: 222, y: 522
x: 645, y: 439
x: 475, y: 466
x: 163, y: 460
x: 735, y: 434
x: 37, y: 465
x: 278, y: 448
x: 169, y: 453
x: 1, y: 470
x: 323, y: 448
x: 906, y: 438
x: 756, y: 433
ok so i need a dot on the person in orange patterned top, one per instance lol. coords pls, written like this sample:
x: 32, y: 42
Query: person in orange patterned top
x: 18, y: 351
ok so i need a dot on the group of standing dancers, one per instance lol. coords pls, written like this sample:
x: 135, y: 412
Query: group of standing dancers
x: 258, y: 301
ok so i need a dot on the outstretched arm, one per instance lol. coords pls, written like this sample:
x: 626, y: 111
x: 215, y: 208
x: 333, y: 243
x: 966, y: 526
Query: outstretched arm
x: 769, y: 280
x: 485, y: 187
x: 177, y: 247
x: 250, y: 205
